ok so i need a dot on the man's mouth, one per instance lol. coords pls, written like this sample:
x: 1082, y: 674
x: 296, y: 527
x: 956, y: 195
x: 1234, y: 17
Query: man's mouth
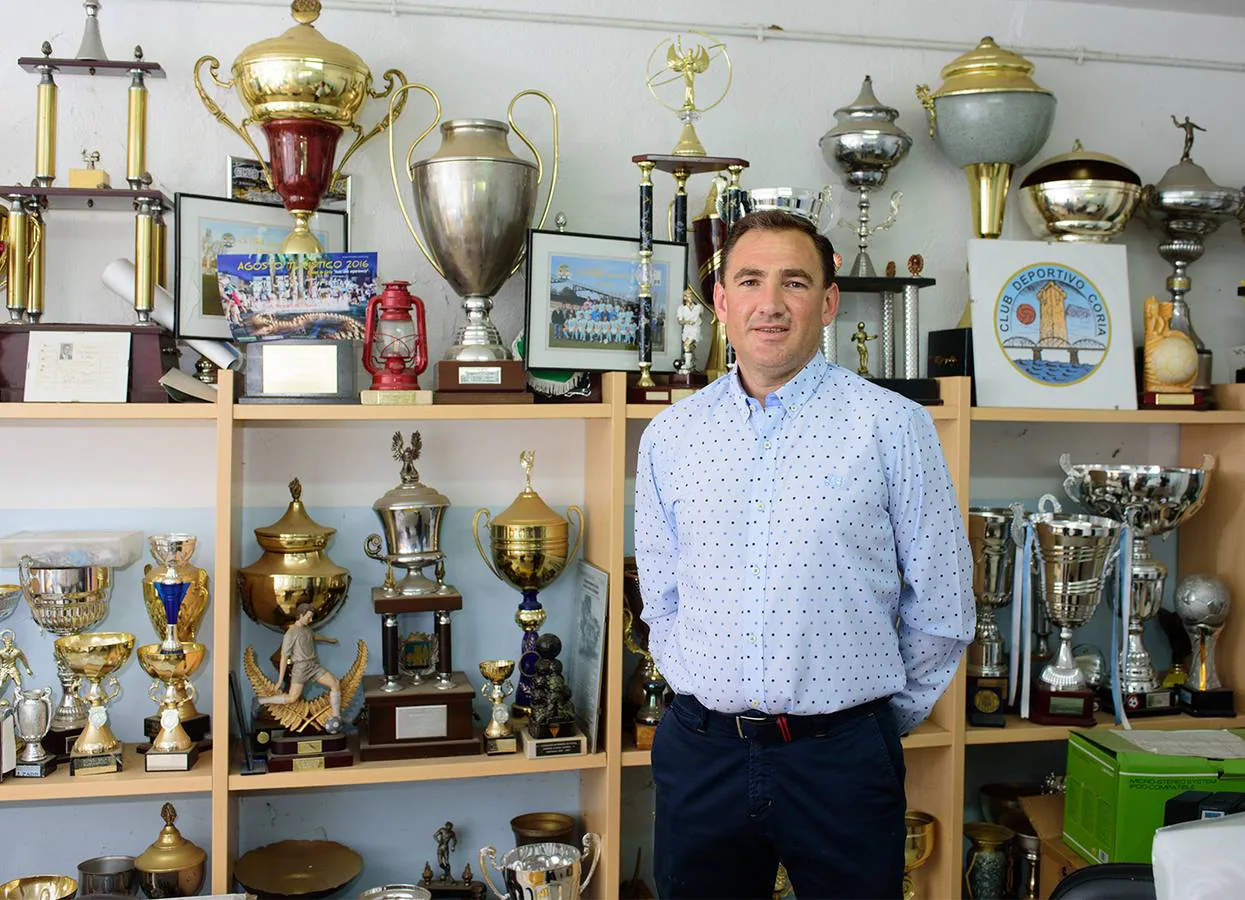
x: 771, y: 329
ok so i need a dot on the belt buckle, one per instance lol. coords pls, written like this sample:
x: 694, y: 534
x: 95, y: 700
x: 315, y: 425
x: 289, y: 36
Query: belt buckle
x: 741, y: 718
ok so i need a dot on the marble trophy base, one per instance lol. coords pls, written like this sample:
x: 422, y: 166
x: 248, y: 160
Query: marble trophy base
x: 95, y: 763
x: 1161, y: 702
x: 177, y: 761
x: 35, y: 770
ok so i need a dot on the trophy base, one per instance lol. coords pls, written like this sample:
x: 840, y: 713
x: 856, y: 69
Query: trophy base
x: 387, y: 601
x: 198, y: 727
x: 644, y: 735
x: 395, y: 398
x: 496, y: 746
x: 1161, y: 702
x: 153, y: 351
x: 95, y: 764
x: 420, y: 719
x: 987, y: 701
x: 180, y: 761
x: 60, y: 743
x: 1069, y: 708
x: 309, y: 762
x: 569, y: 743
x: 290, y: 743
x: 454, y: 889
x: 922, y: 390
x: 456, y: 377
x: 666, y: 390
x: 35, y: 770
x: 1181, y: 400
x: 1206, y: 704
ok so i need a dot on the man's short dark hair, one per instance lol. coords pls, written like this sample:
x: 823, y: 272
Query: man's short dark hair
x: 779, y: 220
x: 303, y: 608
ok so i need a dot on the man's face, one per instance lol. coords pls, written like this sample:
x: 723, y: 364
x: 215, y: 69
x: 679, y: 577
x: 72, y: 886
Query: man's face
x: 774, y: 303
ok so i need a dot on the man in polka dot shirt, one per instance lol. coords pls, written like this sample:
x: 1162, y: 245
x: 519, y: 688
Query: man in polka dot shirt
x: 808, y: 589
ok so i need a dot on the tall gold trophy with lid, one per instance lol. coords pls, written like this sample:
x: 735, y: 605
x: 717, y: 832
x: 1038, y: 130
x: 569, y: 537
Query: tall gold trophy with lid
x: 529, y: 547
x: 303, y: 90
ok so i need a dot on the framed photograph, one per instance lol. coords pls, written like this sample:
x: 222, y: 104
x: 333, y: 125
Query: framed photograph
x: 588, y: 649
x: 583, y: 306
x: 206, y: 227
x: 1052, y: 325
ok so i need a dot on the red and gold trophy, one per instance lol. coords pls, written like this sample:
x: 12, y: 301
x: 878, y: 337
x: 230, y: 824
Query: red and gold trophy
x: 303, y: 90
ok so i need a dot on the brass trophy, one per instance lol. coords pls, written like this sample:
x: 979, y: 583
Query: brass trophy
x: 173, y: 552
x: 172, y: 866
x: 475, y: 200
x: 683, y: 66
x: 1202, y: 603
x: 172, y: 747
x: 648, y: 716
x: 303, y: 90
x: 918, y: 847
x: 528, y: 549
x: 499, y: 737
x: 96, y: 656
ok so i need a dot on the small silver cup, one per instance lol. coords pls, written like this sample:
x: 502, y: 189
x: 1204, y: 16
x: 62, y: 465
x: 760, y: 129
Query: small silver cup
x: 107, y: 875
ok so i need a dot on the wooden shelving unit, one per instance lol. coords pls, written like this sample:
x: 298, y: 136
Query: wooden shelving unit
x: 934, y: 752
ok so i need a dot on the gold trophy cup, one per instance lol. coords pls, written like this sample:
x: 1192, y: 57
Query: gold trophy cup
x: 529, y: 549
x: 499, y: 737
x: 172, y: 748
x: 96, y: 656
x: 303, y: 90
x: 918, y: 847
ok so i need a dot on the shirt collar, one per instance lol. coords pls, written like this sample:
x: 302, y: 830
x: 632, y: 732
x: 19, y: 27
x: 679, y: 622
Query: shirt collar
x: 792, y: 395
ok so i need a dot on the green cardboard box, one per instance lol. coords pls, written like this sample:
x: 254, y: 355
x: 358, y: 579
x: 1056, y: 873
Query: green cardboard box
x: 1116, y: 792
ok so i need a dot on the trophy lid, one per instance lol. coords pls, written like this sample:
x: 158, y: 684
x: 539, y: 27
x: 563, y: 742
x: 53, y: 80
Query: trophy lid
x: 1186, y: 175
x: 1080, y: 164
x: 170, y: 852
x: 295, y: 531
x: 985, y: 68
x: 528, y: 509
x: 411, y: 493
x: 866, y: 114
x: 302, y: 44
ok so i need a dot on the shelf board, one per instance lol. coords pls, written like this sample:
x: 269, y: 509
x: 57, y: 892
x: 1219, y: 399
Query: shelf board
x: 1110, y: 416
x: 1020, y: 731
x: 399, y: 771
x: 131, y: 781
x: 927, y: 734
x: 466, y: 412
x: 118, y: 411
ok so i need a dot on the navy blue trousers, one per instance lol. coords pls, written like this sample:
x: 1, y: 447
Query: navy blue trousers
x: 830, y: 806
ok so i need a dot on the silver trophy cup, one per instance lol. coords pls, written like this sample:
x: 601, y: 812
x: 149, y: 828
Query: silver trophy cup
x: 545, y: 871
x: 1202, y: 603
x: 994, y: 556
x: 1153, y: 500
x: 32, y: 722
x: 1074, y: 555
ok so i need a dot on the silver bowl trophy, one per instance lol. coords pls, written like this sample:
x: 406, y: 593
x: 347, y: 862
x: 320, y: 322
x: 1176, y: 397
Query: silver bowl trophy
x: 866, y: 144
x: 33, y: 719
x: 475, y: 200
x: 409, y: 717
x: 1079, y: 196
x: 1190, y: 207
x: 549, y: 871
x: 994, y: 556
x: 1074, y: 555
x: 1151, y: 500
x: 1202, y: 603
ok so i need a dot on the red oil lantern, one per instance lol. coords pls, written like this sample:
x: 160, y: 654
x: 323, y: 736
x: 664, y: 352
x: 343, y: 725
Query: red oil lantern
x: 396, y: 351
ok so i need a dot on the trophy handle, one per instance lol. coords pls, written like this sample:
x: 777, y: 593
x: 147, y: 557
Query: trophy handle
x: 1049, y: 503
x: 487, y: 855
x: 540, y: 165
x: 393, y: 77
x: 579, y: 525
x: 371, y: 546
x: 154, y: 691
x: 215, y: 110
x: 1208, y: 463
x: 1018, y: 524
x: 190, y: 689
x: 926, y: 99
x: 591, y: 839
x: 475, y: 533
x: 1065, y: 463
x: 894, y: 214
x: 113, y: 691
x: 393, y: 167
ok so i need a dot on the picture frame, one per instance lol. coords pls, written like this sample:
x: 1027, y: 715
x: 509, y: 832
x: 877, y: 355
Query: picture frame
x: 587, y: 650
x: 589, y: 281
x: 206, y: 226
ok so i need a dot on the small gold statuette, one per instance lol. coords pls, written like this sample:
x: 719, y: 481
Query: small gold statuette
x: 682, y: 64
x: 860, y: 338
x: 1170, y: 355
x: 90, y: 177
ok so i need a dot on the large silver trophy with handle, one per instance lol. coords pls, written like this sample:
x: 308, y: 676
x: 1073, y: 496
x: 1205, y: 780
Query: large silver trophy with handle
x: 547, y: 871
x: 1152, y: 500
x: 475, y: 200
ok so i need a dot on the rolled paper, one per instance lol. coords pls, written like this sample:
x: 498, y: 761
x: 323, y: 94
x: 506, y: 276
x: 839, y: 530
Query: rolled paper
x: 118, y: 277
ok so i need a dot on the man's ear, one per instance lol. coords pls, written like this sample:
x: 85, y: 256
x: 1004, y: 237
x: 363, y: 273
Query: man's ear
x: 831, y: 308
x: 719, y: 300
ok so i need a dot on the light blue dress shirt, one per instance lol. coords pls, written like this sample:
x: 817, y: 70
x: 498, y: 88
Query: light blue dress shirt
x: 804, y: 556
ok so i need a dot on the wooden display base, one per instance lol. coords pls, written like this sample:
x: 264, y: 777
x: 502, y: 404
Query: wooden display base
x: 96, y: 764
x: 170, y: 762
x: 987, y: 701
x: 465, y: 398
x: 569, y: 743
x: 1073, y: 709
x: 1155, y: 703
x: 420, y: 720
x: 385, y: 601
x: 1183, y: 400
x: 153, y: 351
x: 395, y: 398
x: 291, y: 743
x: 491, y: 376
x: 60, y: 743
x: 666, y: 389
x: 689, y: 165
x: 309, y: 762
x: 454, y: 888
x: 35, y: 770
x: 1205, y: 704
x: 198, y: 727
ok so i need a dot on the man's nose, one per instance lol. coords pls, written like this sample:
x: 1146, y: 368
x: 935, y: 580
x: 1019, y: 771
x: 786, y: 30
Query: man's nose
x: 772, y: 301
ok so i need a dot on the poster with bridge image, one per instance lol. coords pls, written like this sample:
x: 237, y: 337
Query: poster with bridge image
x: 1052, y: 325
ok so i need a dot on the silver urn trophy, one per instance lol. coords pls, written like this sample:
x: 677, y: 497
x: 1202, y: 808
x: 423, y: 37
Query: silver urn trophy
x: 1152, y: 500
x: 33, y: 719
x: 548, y: 871
x: 1202, y: 603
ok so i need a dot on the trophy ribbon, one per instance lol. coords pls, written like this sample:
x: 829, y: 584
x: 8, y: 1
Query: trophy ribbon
x: 1120, y: 623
